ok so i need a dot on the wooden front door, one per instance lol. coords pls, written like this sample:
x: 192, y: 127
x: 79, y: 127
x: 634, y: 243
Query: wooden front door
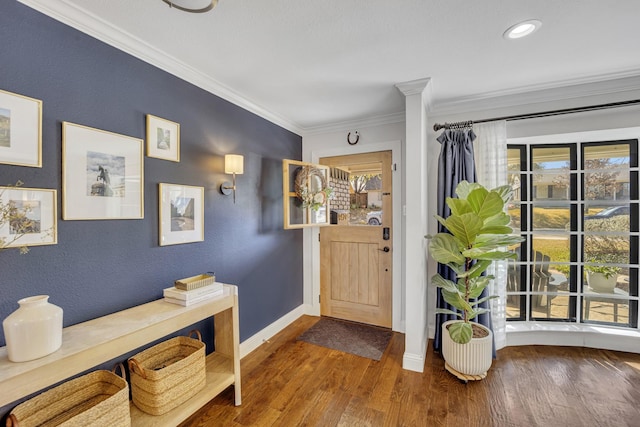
x: 356, y: 259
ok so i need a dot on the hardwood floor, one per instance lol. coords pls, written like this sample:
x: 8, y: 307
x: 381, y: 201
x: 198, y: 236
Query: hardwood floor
x: 290, y: 383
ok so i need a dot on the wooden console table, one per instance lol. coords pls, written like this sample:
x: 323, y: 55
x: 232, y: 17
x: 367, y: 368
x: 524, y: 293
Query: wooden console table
x: 96, y: 341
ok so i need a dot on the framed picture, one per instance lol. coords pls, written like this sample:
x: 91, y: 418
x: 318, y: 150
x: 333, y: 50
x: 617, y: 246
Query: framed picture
x: 20, y: 130
x: 181, y: 214
x: 32, y: 216
x: 102, y: 174
x: 163, y: 139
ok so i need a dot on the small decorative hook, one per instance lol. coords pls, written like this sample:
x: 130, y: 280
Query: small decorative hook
x: 349, y: 138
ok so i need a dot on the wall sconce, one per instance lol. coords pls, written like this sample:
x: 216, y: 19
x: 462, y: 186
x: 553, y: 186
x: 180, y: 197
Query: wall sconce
x: 234, y: 164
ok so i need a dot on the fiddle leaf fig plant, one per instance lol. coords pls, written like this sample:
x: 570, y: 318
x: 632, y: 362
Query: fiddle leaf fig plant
x: 479, y: 233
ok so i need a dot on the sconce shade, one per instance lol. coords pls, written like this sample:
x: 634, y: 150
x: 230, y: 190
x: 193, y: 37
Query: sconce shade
x: 234, y: 163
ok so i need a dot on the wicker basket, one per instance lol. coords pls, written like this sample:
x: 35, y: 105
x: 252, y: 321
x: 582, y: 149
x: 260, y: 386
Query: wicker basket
x: 167, y: 374
x: 100, y: 398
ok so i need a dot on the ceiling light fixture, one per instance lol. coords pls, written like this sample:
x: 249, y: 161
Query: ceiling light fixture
x: 194, y: 6
x: 522, y: 29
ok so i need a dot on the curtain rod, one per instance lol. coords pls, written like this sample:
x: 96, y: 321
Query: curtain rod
x: 469, y: 123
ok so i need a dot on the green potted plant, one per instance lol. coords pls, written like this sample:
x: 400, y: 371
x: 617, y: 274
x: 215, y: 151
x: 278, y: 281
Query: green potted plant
x: 479, y: 233
x: 602, y: 278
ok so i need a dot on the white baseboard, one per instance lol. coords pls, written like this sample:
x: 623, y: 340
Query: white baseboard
x: 413, y: 362
x: 250, y: 344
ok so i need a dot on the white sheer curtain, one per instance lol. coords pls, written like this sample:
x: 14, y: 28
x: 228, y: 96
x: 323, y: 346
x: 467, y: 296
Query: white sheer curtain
x: 490, y: 148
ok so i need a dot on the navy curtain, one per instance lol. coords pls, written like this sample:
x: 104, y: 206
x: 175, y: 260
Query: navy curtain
x: 456, y: 163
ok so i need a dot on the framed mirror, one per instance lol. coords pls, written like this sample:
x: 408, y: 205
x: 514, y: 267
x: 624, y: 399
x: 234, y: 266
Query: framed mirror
x: 306, y: 194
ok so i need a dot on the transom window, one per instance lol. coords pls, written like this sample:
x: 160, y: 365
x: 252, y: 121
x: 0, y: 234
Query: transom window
x: 576, y: 205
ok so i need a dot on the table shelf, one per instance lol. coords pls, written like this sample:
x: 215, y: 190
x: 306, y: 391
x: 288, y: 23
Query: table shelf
x: 96, y: 341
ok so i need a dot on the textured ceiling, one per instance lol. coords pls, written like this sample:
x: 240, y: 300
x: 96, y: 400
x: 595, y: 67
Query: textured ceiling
x: 316, y: 63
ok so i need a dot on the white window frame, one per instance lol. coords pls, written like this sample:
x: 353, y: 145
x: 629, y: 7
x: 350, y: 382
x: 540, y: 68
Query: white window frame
x: 576, y: 333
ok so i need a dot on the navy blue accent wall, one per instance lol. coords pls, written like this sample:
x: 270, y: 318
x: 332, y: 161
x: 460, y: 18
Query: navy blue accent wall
x: 99, y: 267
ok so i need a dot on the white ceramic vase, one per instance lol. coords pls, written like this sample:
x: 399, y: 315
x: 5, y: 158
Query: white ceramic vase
x: 472, y: 358
x: 34, y: 330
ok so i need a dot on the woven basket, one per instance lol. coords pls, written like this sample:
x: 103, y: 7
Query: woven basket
x: 100, y: 398
x: 167, y: 374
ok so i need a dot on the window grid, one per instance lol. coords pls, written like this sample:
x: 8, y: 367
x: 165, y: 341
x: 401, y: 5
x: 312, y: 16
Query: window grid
x: 578, y: 296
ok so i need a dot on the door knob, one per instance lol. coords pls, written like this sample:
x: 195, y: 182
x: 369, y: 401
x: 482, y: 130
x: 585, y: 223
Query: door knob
x: 385, y: 249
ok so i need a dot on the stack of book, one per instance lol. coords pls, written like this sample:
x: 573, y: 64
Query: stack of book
x: 193, y: 296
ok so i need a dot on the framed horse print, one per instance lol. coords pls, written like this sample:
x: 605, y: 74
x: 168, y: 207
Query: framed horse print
x: 102, y: 174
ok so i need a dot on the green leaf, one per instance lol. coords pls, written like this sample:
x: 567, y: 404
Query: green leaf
x: 496, y: 241
x: 440, y: 282
x: 492, y: 255
x: 445, y: 249
x: 498, y: 229
x: 464, y: 227
x: 478, y: 285
x: 505, y: 192
x: 499, y: 219
x: 465, y: 187
x: 441, y: 220
x: 456, y: 299
x: 479, y: 267
x: 485, y: 204
x: 458, y: 206
x: 460, y: 332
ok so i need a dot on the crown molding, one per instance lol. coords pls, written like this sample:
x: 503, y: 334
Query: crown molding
x: 88, y: 23
x: 357, y: 123
x: 413, y: 87
x: 604, y: 84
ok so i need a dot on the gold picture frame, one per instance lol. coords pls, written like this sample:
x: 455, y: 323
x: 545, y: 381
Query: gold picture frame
x: 163, y: 138
x: 181, y: 214
x: 36, y: 220
x: 20, y: 130
x: 102, y: 174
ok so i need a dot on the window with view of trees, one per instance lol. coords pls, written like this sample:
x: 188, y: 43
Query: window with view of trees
x: 576, y: 205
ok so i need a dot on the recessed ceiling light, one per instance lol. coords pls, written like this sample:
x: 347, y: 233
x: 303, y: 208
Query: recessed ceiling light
x: 522, y: 29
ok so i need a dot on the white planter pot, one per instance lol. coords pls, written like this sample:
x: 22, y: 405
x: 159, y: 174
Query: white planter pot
x: 599, y: 283
x: 472, y: 358
x: 34, y: 330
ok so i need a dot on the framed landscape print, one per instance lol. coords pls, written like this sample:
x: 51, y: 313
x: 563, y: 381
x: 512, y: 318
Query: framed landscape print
x: 20, y: 130
x: 102, y: 174
x: 33, y: 216
x: 181, y: 214
x: 163, y: 139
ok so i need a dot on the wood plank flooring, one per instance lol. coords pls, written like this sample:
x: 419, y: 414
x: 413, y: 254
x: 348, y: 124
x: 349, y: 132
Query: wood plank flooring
x: 290, y: 383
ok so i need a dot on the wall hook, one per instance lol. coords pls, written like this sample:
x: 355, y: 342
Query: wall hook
x: 349, y: 138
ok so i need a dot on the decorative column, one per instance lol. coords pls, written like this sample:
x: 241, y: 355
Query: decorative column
x: 416, y: 212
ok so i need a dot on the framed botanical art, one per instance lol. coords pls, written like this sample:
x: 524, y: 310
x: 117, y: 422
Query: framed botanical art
x: 20, y: 130
x: 181, y: 214
x: 163, y: 139
x: 31, y: 217
x: 102, y: 174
